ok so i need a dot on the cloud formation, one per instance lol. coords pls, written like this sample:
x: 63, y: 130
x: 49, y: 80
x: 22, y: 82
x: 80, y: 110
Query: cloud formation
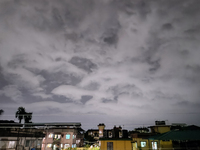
x: 109, y: 59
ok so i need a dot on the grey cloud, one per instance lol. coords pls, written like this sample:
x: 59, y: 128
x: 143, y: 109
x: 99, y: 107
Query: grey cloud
x: 93, y: 86
x: 108, y: 100
x: 3, y: 81
x: 12, y: 92
x: 167, y: 26
x: 55, y: 79
x: 83, y: 63
x: 107, y: 54
x: 137, y: 7
x: 143, y: 8
x: 85, y: 98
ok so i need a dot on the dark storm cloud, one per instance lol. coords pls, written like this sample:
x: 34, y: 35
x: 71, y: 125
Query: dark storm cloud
x: 100, y: 57
x: 167, y: 26
x: 83, y: 63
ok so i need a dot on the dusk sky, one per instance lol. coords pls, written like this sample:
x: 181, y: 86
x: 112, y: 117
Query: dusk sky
x: 117, y: 62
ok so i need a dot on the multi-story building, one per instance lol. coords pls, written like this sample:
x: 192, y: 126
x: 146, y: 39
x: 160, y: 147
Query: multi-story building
x: 115, y: 139
x: 61, y: 135
x: 15, y: 136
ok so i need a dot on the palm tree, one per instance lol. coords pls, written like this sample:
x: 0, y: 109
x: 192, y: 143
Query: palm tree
x: 28, y: 117
x: 1, y: 111
x: 20, y: 114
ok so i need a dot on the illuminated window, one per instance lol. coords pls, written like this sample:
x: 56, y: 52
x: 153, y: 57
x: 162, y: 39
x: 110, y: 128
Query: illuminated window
x: 67, y: 136
x: 61, y: 145
x: 73, y: 145
x: 110, y: 134
x: 51, y: 135
x: 154, y: 145
x: 74, y: 136
x: 49, y: 145
x: 66, y: 146
x: 143, y: 144
x: 57, y: 137
x: 11, y: 144
x: 77, y: 141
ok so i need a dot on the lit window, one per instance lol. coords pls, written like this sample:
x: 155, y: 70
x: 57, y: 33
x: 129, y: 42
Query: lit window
x: 154, y: 145
x: 73, y: 145
x: 110, y: 134
x: 77, y: 141
x: 57, y: 137
x: 143, y: 144
x: 66, y: 146
x: 74, y: 136
x: 11, y: 144
x: 61, y: 145
x: 67, y: 136
x: 49, y: 145
x: 50, y: 135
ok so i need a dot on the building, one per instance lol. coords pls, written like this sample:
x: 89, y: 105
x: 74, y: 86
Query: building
x: 184, y: 138
x: 115, y: 139
x: 141, y: 138
x: 15, y: 136
x: 160, y: 127
x: 115, y: 144
x: 61, y: 135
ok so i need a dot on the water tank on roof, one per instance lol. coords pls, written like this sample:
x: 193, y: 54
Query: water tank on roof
x: 160, y: 122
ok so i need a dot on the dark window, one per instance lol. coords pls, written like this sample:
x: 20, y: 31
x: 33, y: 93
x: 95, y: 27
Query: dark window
x: 109, y: 145
x: 28, y: 143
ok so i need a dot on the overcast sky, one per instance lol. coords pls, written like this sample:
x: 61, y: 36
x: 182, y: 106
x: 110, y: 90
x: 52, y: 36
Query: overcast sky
x: 118, y: 62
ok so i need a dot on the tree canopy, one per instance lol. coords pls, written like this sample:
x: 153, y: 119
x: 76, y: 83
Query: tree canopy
x: 22, y: 114
x: 1, y: 111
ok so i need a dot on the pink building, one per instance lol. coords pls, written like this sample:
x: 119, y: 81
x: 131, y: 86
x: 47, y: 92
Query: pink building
x: 62, y: 135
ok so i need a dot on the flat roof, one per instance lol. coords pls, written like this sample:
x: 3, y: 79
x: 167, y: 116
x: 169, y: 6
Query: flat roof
x: 54, y: 124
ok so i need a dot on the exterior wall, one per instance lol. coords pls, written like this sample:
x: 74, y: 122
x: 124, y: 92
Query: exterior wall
x: 10, y: 143
x: 160, y: 129
x: 117, y: 144
x: 101, y: 129
x: 74, y: 139
x: 12, y: 138
x: 160, y: 144
x: 166, y: 144
x: 136, y: 144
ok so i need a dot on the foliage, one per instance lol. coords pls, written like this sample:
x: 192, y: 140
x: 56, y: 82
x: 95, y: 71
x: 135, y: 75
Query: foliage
x: 22, y: 114
x: 1, y: 111
x: 70, y: 148
x: 142, y: 129
x: 139, y: 147
x: 89, y: 139
x: 87, y: 146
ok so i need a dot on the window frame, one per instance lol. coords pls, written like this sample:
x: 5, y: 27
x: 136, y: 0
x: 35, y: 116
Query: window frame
x: 68, y: 137
x: 109, y: 145
x: 143, y: 142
